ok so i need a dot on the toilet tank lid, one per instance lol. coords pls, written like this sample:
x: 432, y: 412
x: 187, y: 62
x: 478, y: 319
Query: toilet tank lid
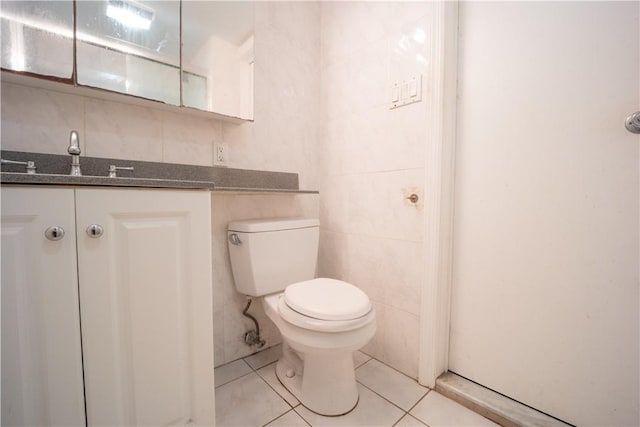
x: 272, y: 224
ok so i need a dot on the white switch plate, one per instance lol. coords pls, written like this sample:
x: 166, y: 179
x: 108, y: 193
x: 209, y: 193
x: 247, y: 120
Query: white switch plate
x: 220, y: 154
x: 406, y: 91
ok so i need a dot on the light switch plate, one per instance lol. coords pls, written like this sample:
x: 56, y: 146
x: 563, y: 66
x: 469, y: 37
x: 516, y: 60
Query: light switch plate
x: 406, y: 91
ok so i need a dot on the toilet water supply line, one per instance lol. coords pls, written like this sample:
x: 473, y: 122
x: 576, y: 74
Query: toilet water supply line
x: 252, y: 337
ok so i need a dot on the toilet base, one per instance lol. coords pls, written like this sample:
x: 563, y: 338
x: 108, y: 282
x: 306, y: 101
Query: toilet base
x: 324, y: 383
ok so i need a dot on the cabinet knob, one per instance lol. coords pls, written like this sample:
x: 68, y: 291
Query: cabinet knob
x: 95, y: 231
x: 54, y: 233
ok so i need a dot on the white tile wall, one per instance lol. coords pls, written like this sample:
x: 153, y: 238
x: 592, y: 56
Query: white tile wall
x: 283, y: 137
x: 322, y: 81
x: 38, y: 120
x: 122, y: 131
x: 372, y: 159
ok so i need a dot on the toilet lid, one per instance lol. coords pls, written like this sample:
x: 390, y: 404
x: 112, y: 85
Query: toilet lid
x: 327, y: 299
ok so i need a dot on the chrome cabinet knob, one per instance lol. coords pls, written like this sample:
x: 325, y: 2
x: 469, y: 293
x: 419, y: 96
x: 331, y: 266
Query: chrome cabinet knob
x: 54, y: 233
x: 95, y: 231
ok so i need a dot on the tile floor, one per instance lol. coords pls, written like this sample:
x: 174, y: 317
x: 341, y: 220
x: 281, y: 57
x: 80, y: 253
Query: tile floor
x: 248, y: 394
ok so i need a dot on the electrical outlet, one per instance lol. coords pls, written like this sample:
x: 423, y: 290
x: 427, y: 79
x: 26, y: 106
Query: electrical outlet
x: 220, y: 154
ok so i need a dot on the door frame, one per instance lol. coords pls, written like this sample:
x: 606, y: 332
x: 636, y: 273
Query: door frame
x: 435, y: 308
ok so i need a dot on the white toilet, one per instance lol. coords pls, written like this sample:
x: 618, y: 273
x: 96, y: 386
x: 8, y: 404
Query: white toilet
x: 322, y: 321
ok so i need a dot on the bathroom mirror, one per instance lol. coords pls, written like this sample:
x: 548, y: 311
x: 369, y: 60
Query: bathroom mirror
x: 134, y: 47
x: 217, y: 56
x: 37, y: 37
x: 131, y: 47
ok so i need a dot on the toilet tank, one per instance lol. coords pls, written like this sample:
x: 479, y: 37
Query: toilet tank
x: 267, y: 255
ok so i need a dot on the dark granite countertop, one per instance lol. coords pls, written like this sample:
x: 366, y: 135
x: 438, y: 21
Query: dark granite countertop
x: 53, y: 169
x: 104, y: 181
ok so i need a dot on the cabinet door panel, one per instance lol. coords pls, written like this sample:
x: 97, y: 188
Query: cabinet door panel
x: 146, y: 305
x: 41, y: 354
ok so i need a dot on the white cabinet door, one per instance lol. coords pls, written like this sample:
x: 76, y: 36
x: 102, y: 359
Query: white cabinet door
x: 41, y: 354
x: 146, y: 307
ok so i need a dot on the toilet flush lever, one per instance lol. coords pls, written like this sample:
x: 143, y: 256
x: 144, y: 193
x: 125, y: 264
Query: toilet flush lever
x: 234, y: 239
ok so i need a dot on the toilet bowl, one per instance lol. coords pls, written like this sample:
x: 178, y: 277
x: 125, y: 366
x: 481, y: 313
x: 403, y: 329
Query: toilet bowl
x: 322, y: 321
x: 317, y: 357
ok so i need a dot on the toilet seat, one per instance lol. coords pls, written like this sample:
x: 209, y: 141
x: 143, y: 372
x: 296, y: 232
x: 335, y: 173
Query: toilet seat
x: 327, y: 299
x: 347, y: 317
x: 313, y: 324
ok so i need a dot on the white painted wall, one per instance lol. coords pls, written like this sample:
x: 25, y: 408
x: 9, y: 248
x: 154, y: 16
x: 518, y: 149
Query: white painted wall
x: 545, y: 279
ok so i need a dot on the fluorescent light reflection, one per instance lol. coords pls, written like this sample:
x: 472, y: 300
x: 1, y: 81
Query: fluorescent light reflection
x: 128, y: 17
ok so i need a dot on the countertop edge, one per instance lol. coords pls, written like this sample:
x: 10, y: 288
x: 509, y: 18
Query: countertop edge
x: 263, y: 190
x: 12, y: 178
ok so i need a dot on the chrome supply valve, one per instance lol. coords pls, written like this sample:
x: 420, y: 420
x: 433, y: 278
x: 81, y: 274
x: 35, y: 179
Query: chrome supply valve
x: 74, y: 150
x: 113, y: 170
x: 31, y: 166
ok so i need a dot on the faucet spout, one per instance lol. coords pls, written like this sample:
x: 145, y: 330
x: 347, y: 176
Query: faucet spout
x: 74, y: 150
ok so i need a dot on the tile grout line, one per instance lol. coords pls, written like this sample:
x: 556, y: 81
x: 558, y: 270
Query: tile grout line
x: 300, y: 415
x: 384, y: 398
x: 276, y: 391
x: 402, y: 409
x: 236, y: 378
x: 282, y: 415
x: 416, y: 404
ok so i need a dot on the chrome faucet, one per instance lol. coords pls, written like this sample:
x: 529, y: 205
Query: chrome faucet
x: 74, y: 150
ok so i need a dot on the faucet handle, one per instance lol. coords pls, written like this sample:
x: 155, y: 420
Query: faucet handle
x: 113, y: 170
x: 31, y: 166
x: 74, y: 143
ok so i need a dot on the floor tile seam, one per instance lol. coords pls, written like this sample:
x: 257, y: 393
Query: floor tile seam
x: 416, y: 404
x: 235, y: 379
x: 311, y: 425
x: 276, y: 391
x: 427, y: 389
x: 419, y: 400
x: 409, y: 415
x: 363, y: 364
x: 230, y: 362
x: 381, y: 396
x: 399, y: 372
x: 301, y: 416
x: 282, y: 415
x: 258, y: 352
x: 264, y: 366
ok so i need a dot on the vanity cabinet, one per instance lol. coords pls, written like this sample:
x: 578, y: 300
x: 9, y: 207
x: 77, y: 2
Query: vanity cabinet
x: 125, y: 297
x: 41, y: 353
